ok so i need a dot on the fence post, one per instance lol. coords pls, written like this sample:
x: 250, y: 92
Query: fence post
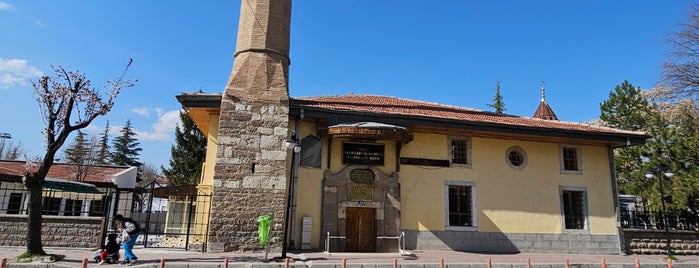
x: 189, y: 221
x: 84, y: 264
x: 4, y: 263
x: 150, y: 211
x: 162, y: 263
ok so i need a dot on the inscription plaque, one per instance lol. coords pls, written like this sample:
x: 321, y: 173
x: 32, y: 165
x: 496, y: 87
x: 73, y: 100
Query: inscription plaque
x: 360, y: 193
x: 362, y: 176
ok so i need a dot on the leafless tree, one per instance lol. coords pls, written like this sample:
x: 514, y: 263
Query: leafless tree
x: 680, y: 73
x: 68, y: 103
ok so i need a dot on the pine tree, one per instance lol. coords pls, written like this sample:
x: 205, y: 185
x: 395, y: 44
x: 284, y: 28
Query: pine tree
x: 81, y: 154
x: 126, y: 147
x: 498, y: 103
x: 103, y: 154
x: 188, y: 155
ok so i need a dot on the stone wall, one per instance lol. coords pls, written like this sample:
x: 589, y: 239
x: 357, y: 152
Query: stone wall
x: 57, y: 231
x: 512, y: 243
x: 637, y: 241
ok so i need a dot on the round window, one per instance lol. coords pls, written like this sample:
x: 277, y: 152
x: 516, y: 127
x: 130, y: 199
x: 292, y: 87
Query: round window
x: 516, y: 157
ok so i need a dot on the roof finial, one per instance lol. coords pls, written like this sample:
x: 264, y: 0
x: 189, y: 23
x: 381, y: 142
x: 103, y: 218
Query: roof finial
x: 543, y: 90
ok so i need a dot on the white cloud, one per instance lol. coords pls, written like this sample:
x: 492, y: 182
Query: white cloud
x: 163, y: 129
x: 15, y: 72
x: 141, y: 111
x: 5, y: 6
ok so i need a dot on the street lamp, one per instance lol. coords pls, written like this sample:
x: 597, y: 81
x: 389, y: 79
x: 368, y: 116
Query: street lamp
x: 292, y: 144
x: 669, y: 174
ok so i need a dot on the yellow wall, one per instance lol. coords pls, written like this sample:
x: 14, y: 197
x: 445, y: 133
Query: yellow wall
x: 309, y: 193
x: 507, y: 200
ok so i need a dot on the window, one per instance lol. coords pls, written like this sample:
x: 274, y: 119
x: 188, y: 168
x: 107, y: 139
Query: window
x: 73, y: 207
x: 460, y: 205
x: 14, y: 203
x: 516, y: 157
x: 96, y: 209
x: 51, y: 206
x: 460, y: 152
x: 574, y: 208
x: 570, y: 158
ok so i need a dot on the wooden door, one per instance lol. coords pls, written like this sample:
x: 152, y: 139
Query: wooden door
x: 360, y: 232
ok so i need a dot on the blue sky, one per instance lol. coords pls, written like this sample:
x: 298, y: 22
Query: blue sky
x: 450, y: 52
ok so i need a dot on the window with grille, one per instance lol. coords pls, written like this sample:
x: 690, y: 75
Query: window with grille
x: 460, y: 151
x: 570, y: 159
x: 73, y: 207
x: 574, y: 209
x: 51, y: 205
x: 96, y: 207
x: 460, y: 205
x: 14, y: 204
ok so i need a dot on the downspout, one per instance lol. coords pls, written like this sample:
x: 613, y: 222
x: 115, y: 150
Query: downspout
x: 615, y: 199
x: 295, y: 178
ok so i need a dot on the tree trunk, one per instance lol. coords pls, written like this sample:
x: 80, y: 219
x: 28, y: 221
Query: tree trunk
x: 34, y: 219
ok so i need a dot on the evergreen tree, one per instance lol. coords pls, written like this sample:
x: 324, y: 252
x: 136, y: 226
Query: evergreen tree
x: 126, y: 147
x: 672, y: 145
x: 188, y: 155
x: 498, y: 104
x: 81, y: 154
x: 103, y: 154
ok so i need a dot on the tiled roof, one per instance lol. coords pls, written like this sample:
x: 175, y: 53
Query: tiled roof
x: 545, y: 112
x: 397, y: 106
x: 97, y: 174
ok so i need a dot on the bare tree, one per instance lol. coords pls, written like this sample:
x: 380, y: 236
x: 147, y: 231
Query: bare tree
x: 67, y: 102
x: 10, y: 151
x: 680, y: 73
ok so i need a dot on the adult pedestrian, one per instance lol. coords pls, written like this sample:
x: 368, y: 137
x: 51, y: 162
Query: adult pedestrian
x: 130, y: 231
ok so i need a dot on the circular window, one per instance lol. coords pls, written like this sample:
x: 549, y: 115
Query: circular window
x: 516, y: 157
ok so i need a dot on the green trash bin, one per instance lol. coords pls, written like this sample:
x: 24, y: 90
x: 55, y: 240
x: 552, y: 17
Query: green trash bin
x: 263, y: 225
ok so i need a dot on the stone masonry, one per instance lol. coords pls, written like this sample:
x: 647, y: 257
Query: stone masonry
x: 251, y: 162
x: 57, y: 231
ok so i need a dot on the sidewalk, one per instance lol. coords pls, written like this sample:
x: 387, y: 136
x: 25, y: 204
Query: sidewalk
x: 151, y: 257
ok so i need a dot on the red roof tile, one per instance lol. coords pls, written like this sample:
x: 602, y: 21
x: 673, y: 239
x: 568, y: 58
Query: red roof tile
x: 398, y: 106
x: 97, y: 174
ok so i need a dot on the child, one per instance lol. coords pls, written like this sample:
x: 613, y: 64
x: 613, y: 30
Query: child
x: 109, y: 249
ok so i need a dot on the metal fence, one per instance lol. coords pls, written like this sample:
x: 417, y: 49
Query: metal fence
x: 653, y: 220
x: 174, y: 217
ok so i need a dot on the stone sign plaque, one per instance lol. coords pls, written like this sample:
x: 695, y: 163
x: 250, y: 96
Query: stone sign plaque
x: 360, y: 193
x: 362, y: 176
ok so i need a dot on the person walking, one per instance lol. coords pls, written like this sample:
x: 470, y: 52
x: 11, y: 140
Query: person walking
x: 130, y: 231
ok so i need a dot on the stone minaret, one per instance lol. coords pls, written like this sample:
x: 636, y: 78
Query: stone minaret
x: 250, y: 174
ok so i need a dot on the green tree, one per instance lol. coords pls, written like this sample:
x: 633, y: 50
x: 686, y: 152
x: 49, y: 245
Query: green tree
x: 68, y: 103
x: 498, y: 103
x: 81, y: 154
x: 103, y: 154
x: 188, y: 155
x: 126, y: 147
x: 672, y: 146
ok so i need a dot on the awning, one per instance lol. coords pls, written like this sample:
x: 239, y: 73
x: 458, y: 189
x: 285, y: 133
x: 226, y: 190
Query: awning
x: 70, y: 186
x: 370, y: 130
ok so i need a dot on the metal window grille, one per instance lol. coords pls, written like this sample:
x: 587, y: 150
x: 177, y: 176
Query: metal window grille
x: 574, y: 209
x: 460, y: 206
x: 459, y: 152
x: 570, y: 158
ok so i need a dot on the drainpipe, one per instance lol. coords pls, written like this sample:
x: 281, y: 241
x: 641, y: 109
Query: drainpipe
x: 295, y: 177
x: 615, y: 198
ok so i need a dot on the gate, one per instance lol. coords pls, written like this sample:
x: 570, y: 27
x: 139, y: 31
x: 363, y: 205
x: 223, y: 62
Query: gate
x: 170, y: 217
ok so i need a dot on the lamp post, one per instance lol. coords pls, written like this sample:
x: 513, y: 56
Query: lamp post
x: 668, y: 174
x: 292, y: 144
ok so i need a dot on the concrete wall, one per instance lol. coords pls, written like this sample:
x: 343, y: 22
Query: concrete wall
x: 57, y: 231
